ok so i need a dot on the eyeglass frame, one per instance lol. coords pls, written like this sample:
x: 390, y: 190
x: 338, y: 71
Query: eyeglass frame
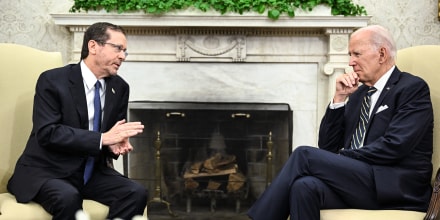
x: 118, y: 47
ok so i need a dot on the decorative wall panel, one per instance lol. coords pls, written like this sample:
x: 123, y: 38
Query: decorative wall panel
x: 28, y: 22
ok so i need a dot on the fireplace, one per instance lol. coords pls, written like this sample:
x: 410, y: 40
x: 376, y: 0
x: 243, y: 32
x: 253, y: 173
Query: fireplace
x: 211, y: 155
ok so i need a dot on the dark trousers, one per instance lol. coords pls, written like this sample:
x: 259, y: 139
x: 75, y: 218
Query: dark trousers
x: 63, y: 197
x: 313, y: 179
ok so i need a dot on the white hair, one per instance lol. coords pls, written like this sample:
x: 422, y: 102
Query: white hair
x: 380, y: 37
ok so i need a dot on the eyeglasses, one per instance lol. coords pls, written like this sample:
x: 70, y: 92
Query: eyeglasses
x: 118, y: 48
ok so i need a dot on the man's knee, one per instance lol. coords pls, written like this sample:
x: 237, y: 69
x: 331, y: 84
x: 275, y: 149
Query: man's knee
x: 306, y: 186
x: 304, y: 149
x: 138, y: 193
x: 69, y: 198
x: 57, y: 196
x: 63, y: 203
x: 300, y: 155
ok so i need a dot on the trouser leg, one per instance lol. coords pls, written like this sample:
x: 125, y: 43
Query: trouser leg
x: 59, y: 198
x: 347, y: 178
x: 308, y: 195
x: 124, y: 197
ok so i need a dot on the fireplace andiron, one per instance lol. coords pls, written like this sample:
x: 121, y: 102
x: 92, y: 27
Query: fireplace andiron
x: 269, y: 157
x: 157, y: 191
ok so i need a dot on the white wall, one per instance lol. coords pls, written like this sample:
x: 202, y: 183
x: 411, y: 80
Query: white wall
x: 28, y: 22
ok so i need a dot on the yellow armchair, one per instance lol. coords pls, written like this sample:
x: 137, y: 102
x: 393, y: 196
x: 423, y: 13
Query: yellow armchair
x: 21, y: 67
x: 422, y: 61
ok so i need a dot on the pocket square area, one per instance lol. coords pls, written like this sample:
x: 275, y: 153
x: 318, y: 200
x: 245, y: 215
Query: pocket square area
x: 381, y: 108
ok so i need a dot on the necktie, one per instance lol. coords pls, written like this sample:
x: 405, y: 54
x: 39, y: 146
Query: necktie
x: 96, y: 127
x: 358, y: 135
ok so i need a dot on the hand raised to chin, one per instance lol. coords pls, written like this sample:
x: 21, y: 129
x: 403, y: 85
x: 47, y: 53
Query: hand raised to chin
x: 346, y: 84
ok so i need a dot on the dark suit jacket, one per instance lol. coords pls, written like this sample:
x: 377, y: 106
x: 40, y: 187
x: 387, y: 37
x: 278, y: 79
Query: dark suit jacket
x: 60, y: 141
x: 398, y: 141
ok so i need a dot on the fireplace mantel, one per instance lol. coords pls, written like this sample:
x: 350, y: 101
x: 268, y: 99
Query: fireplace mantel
x: 313, y: 19
x: 189, y: 56
x: 317, y: 22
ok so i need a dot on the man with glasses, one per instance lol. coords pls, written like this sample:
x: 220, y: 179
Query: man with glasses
x: 79, y: 127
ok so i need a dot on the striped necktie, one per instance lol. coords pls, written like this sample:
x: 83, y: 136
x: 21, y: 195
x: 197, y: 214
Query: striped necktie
x: 358, y: 136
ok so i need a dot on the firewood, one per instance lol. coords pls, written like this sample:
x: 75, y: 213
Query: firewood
x: 232, y: 169
x: 191, y: 184
x: 218, y: 160
x: 213, y: 185
x: 195, y: 167
x: 235, y: 182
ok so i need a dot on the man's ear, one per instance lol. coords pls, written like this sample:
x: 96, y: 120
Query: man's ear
x: 383, y: 55
x: 92, y: 44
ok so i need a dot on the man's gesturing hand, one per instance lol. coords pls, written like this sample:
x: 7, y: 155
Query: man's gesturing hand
x: 121, y: 148
x: 121, y: 131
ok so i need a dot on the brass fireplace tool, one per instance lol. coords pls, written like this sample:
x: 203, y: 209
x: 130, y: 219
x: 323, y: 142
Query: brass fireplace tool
x: 157, y: 191
x: 269, y: 157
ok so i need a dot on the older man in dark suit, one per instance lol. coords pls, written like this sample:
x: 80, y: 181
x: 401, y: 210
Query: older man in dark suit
x: 375, y: 142
x: 78, y: 127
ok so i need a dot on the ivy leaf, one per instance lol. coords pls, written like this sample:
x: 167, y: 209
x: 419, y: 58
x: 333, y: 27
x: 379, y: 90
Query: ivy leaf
x: 151, y: 9
x: 204, y: 7
x: 273, y: 14
x: 261, y: 9
x: 291, y: 12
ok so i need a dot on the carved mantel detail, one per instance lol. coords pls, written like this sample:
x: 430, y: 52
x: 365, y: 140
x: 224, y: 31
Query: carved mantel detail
x: 337, y: 50
x: 230, y: 47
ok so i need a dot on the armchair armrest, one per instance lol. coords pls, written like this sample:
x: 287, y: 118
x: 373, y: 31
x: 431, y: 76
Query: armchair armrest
x: 434, y: 204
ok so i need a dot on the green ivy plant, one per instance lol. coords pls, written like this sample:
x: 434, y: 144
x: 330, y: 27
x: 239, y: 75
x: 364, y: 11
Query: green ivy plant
x: 274, y: 8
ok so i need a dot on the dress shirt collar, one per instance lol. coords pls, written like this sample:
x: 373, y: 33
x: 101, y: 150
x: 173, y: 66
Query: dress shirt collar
x: 380, y: 84
x: 90, y: 78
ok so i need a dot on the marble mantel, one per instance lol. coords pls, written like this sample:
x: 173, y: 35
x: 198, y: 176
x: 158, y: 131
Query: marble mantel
x: 189, y: 56
x: 337, y: 28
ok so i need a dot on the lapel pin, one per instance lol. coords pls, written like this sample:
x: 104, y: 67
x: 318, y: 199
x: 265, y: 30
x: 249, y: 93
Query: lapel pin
x: 388, y: 88
x: 113, y: 90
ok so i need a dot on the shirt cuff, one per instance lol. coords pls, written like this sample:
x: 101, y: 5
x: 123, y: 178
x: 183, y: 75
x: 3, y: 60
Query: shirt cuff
x: 336, y: 105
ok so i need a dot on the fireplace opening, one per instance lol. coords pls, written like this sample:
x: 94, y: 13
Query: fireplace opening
x: 207, y: 157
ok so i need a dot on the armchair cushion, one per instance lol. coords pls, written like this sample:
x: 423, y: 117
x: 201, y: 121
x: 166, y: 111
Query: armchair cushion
x: 358, y: 214
x: 10, y: 209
